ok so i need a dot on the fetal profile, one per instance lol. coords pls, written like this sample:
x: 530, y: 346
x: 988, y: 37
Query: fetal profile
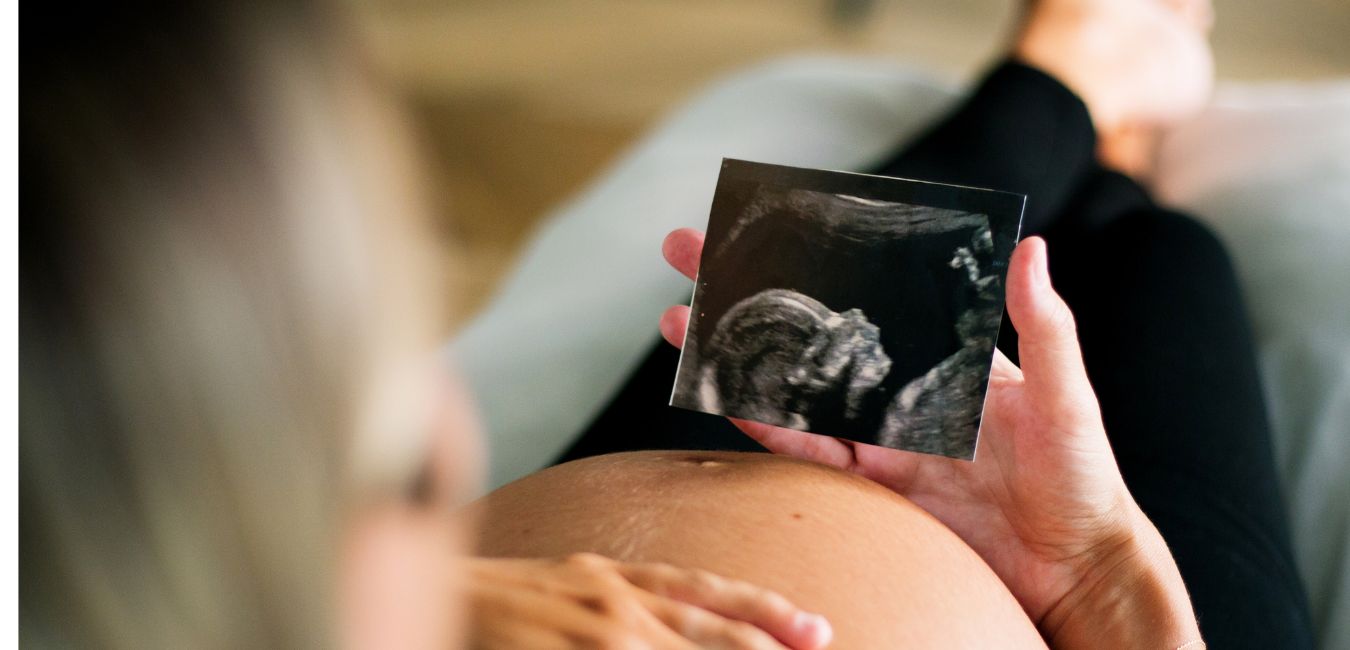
x: 848, y: 305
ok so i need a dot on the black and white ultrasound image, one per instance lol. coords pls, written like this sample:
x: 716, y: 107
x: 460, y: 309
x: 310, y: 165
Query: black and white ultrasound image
x: 848, y: 305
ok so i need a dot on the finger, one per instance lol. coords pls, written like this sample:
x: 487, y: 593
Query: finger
x: 1047, y: 338
x: 767, y: 612
x: 607, y: 610
x: 708, y: 630
x: 799, y: 444
x: 509, y: 615
x: 674, y: 323
x: 683, y: 249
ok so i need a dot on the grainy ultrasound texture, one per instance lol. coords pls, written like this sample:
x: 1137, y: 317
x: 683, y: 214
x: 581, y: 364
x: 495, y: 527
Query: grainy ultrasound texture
x: 849, y: 305
x: 935, y: 413
x: 779, y: 356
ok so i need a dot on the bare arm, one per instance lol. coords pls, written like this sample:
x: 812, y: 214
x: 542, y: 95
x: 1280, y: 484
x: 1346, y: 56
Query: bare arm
x: 1133, y: 597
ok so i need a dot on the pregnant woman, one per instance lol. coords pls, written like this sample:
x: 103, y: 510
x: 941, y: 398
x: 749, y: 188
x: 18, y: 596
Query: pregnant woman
x: 1038, y: 541
x: 1098, y: 464
x: 226, y: 437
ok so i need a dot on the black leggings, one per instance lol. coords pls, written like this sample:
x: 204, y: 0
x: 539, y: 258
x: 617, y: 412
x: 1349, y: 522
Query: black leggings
x: 1165, y: 339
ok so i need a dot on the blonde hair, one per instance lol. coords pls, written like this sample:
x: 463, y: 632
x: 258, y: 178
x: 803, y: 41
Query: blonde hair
x: 220, y: 255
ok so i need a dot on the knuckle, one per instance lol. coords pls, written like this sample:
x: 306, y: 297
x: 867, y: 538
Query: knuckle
x: 659, y: 578
x: 665, y: 571
x: 608, y: 580
x: 685, y: 620
x: 601, y: 573
x: 1061, y: 322
x: 706, y: 581
x: 617, y: 605
x: 586, y: 560
x: 626, y: 611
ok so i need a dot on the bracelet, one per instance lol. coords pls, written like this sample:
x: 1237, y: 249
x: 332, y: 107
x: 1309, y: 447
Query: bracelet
x: 1197, y: 644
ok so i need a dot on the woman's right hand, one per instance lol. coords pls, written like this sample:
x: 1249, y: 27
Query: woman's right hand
x: 586, y: 600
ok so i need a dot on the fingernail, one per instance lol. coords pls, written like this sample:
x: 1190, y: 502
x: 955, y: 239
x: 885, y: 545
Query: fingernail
x: 815, y: 628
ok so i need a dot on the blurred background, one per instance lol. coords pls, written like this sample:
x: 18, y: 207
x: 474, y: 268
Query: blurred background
x: 521, y: 102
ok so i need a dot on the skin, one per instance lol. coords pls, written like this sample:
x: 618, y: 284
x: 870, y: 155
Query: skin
x: 1041, y: 520
x: 1133, y: 93
x: 588, y: 600
x: 884, y: 572
x: 1121, y: 82
x: 408, y: 581
x: 1043, y: 503
x: 403, y: 571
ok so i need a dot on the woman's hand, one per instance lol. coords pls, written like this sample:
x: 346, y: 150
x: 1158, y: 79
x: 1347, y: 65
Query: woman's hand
x: 1043, y: 503
x: 590, y: 601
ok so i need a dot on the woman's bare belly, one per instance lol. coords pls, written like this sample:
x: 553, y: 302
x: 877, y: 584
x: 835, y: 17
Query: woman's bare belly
x: 885, y: 573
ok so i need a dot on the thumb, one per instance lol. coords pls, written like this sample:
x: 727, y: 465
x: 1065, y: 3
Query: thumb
x: 1047, y: 338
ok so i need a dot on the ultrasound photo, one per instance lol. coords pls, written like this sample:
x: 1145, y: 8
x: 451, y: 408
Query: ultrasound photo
x: 849, y: 305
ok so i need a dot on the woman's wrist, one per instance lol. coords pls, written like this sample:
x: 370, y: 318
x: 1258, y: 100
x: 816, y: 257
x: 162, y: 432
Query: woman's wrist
x: 1132, y: 596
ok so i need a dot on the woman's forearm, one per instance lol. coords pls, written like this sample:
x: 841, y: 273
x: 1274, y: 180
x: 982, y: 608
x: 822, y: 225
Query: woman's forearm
x: 1134, y: 597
